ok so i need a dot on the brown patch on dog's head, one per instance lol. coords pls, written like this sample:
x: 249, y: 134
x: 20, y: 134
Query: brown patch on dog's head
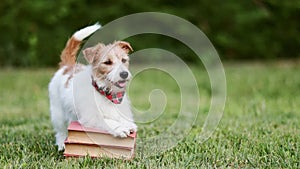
x: 104, y: 57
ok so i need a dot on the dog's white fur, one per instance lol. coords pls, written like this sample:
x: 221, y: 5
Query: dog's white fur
x: 72, y: 97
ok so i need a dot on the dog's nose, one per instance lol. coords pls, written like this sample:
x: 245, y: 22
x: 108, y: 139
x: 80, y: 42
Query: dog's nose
x: 124, y: 75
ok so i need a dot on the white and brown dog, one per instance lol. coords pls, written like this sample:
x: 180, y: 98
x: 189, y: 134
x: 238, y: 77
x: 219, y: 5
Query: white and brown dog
x: 93, y: 94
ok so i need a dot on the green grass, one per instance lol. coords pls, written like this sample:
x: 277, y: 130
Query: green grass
x: 260, y: 127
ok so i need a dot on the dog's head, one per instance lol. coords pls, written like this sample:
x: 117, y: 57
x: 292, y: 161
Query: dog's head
x: 110, y: 64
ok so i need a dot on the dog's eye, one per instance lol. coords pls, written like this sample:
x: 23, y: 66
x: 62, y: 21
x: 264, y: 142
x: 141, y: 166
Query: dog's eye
x: 124, y: 60
x: 108, y: 62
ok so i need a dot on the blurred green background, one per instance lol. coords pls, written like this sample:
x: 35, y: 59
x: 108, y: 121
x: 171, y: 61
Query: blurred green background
x: 34, y: 32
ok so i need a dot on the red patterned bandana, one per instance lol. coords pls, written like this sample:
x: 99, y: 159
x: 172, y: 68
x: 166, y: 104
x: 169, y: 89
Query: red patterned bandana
x: 113, y: 97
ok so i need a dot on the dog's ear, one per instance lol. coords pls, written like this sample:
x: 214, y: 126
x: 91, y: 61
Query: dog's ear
x: 88, y: 54
x: 125, y: 46
x: 91, y: 52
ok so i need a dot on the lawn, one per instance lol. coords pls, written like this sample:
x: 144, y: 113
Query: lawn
x: 260, y: 127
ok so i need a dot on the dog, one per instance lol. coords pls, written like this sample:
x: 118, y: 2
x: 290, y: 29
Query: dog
x: 93, y: 94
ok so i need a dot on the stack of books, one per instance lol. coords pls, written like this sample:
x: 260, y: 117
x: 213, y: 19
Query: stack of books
x: 83, y: 141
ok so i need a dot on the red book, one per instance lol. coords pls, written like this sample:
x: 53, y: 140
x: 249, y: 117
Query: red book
x: 82, y: 141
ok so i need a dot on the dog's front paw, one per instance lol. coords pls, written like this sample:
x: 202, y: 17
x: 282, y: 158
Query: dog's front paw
x: 133, y: 127
x: 121, y: 132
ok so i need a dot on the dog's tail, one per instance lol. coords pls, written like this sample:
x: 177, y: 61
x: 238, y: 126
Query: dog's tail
x: 68, y: 55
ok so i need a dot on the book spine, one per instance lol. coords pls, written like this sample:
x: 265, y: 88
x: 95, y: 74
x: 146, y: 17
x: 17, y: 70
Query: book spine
x: 92, y: 144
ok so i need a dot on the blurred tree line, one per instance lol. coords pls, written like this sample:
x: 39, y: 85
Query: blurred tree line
x: 34, y: 32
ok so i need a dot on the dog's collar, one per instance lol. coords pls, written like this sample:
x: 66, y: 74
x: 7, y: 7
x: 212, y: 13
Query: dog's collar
x: 115, y: 97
